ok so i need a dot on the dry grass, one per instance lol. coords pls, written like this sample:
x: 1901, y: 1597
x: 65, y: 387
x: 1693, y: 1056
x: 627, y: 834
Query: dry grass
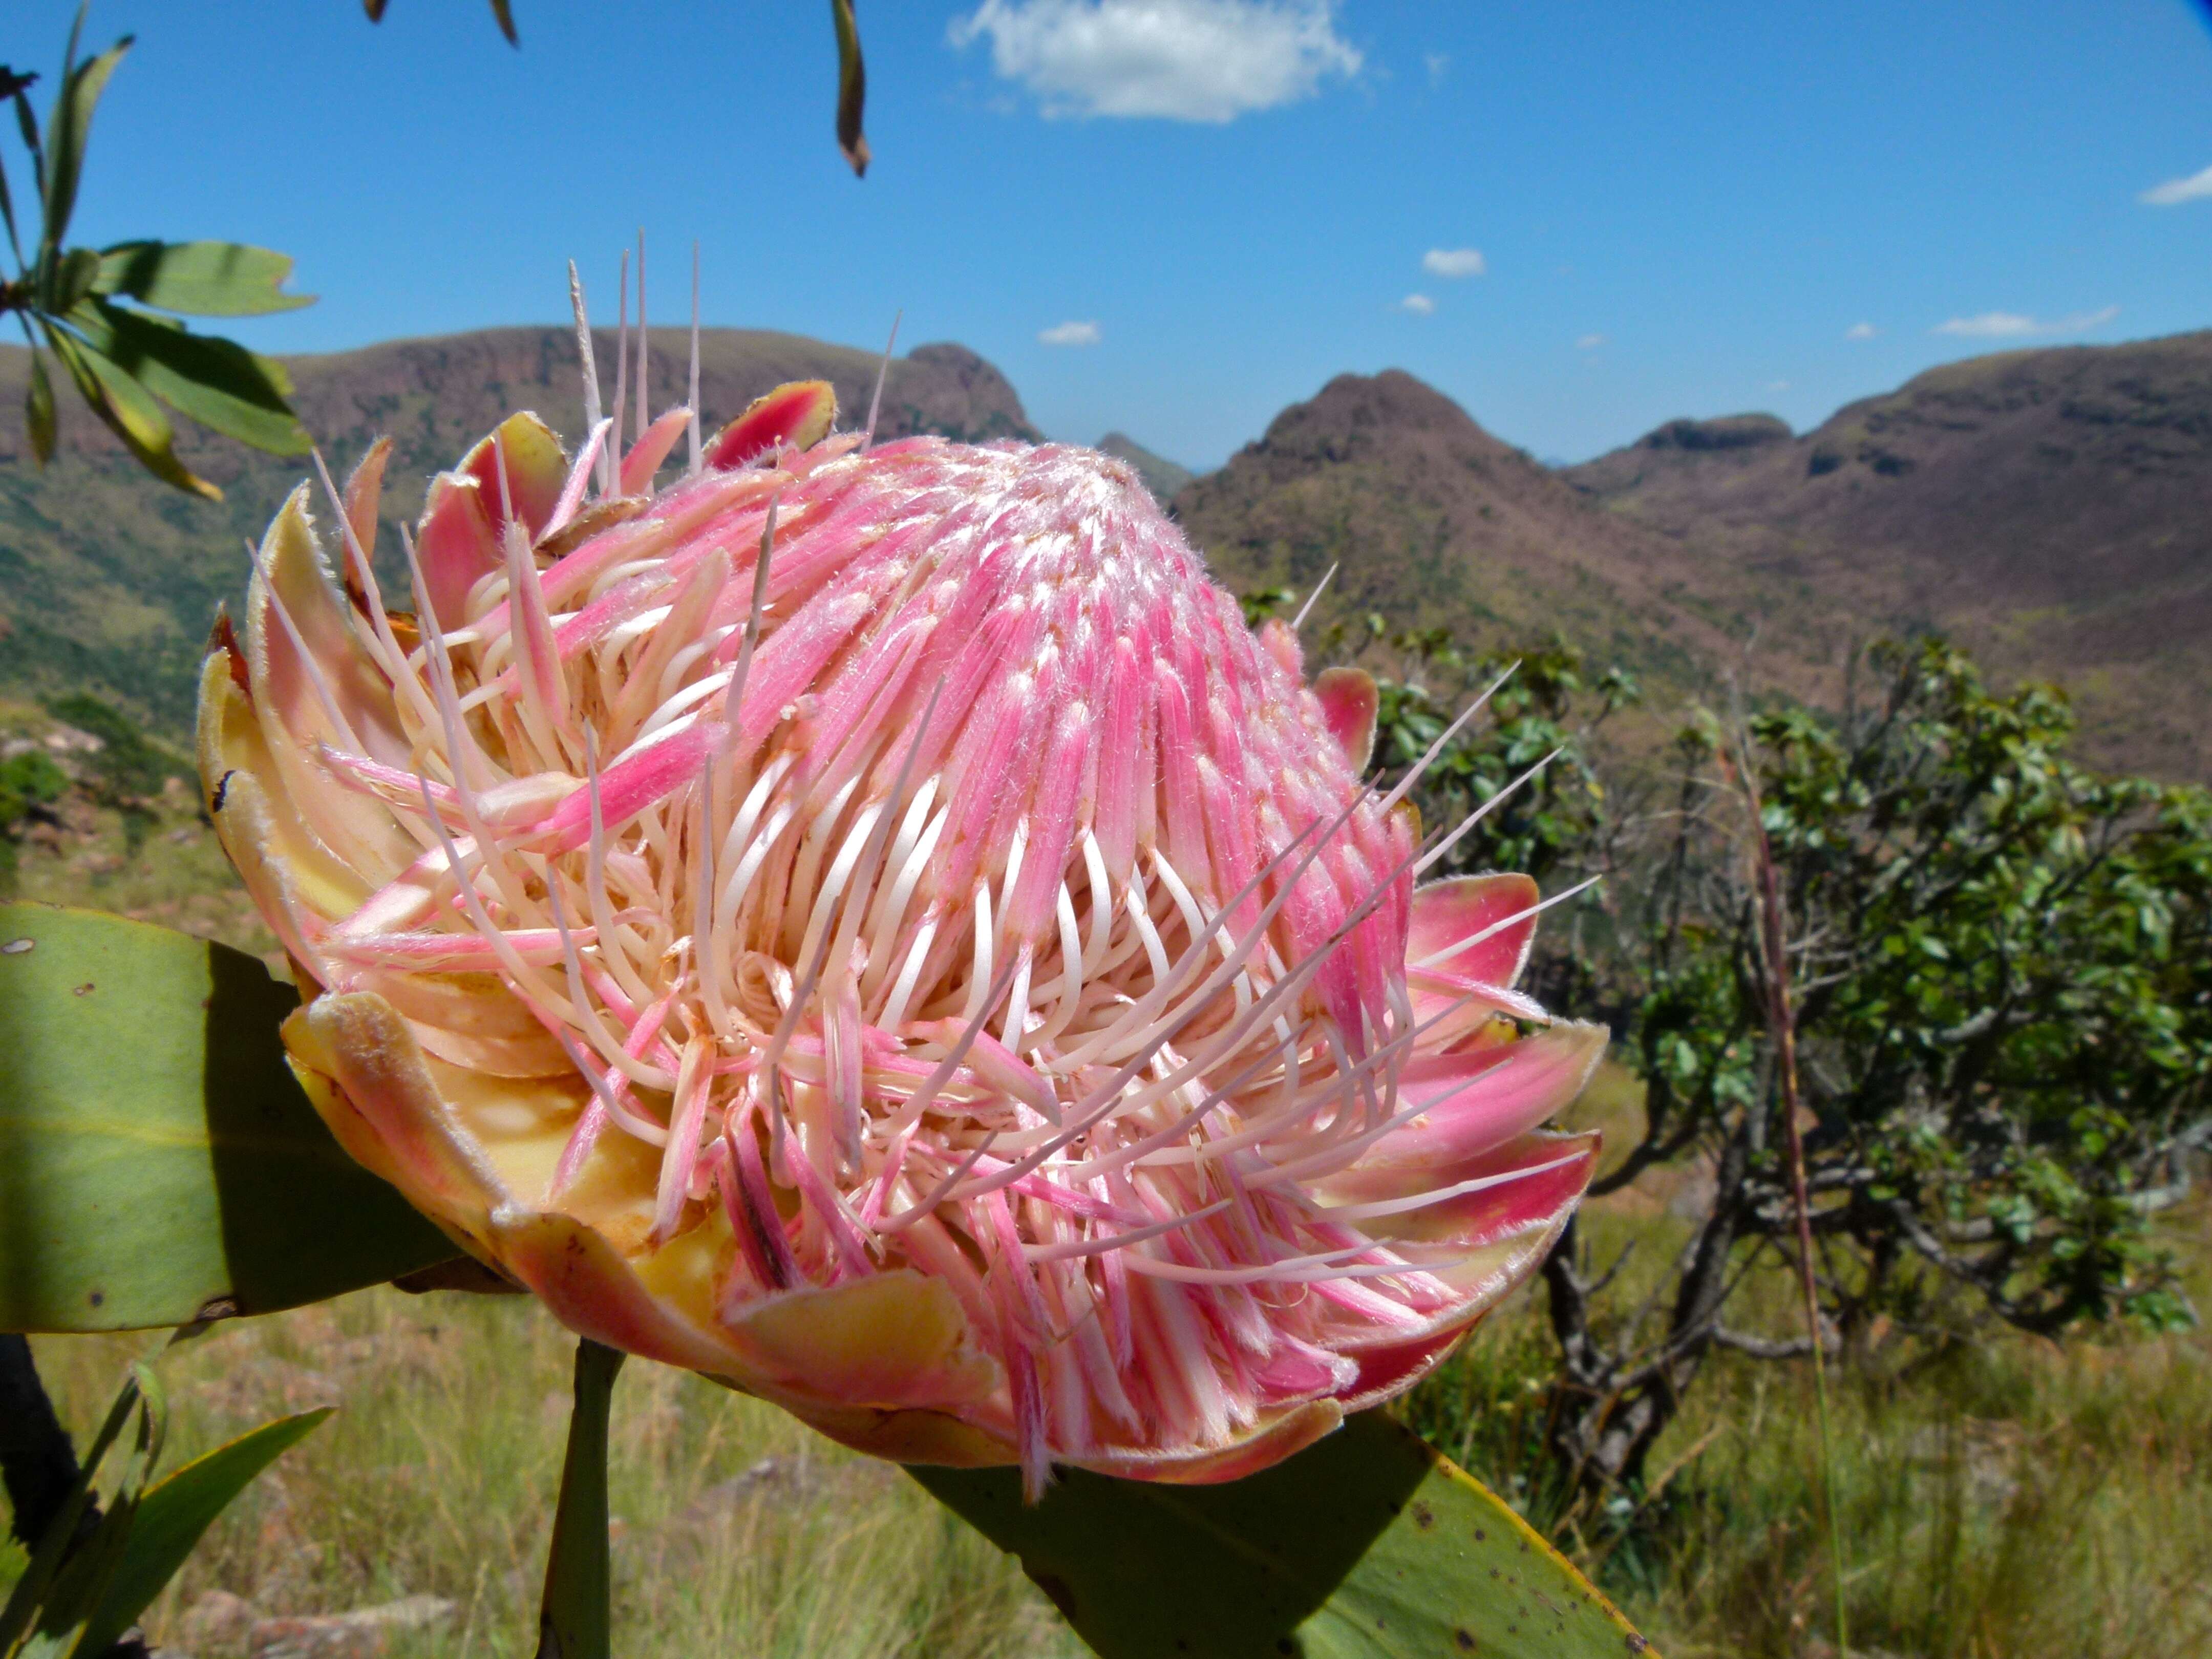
x: 737, y: 1532
x: 2007, y: 1496
x: 2013, y: 1499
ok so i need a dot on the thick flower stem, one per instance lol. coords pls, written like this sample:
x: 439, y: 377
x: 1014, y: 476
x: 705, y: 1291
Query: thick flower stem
x: 573, y: 1620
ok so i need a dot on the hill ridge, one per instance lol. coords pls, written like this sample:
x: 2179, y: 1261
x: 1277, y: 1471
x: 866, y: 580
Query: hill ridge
x: 108, y: 580
x: 2052, y: 507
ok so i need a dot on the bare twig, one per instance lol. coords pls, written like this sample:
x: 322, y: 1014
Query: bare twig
x: 1783, y: 1025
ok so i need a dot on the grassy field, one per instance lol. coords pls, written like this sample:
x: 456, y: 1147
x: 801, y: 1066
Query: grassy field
x: 2006, y: 1497
x: 738, y: 1531
x: 2003, y: 1498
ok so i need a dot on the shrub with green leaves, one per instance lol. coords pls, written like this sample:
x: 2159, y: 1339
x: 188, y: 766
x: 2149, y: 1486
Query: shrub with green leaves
x: 2000, y: 969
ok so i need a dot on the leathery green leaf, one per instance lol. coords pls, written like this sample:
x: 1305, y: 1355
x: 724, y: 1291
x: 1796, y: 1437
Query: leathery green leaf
x: 218, y: 382
x: 29, y: 1602
x: 129, y: 411
x: 69, y: 128
x: 1367, y: 1545
x: 159, y: 1164
x: 852, y: 86
x: 72, y: 1607
x: 38, y: 409
x: 202, y: 279
x: 172, y: 1516
x: 575, y: 1618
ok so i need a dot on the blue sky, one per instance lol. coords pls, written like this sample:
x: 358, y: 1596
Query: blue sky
x: 1677, y: 209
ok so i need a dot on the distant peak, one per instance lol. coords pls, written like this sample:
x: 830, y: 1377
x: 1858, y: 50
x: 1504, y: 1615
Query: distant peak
x: 1726, y: 432
x: 1355, y: 413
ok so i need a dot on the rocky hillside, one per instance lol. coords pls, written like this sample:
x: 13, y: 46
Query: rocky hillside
x: 1434, y: 522
x: 2052, y: 509
x: 108, y: 580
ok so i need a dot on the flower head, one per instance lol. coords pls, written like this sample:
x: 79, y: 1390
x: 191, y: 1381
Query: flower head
x: 873, y: 925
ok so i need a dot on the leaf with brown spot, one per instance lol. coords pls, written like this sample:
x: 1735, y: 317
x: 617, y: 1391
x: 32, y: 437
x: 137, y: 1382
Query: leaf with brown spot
x: 156, y: 1156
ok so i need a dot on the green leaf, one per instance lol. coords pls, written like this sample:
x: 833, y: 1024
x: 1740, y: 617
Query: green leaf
x: 851, y: 87
x: 1365, y: 1545
x: 75, y: 273
x: 28, y: 123
x: 158, y: 1161
x: 173, y: 1516
x: 575, y: 1618
x: 81, y: 1587
x: 200, y: 279
x: 216, y: 382
x: 27, y: 1601
x: 38, y: 409
x: 7, y: 201
x: 69, y: 128
x: 128, y: 410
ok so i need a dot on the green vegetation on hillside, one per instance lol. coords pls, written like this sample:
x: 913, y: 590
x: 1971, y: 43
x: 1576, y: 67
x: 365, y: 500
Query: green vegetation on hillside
x: 109, y: 580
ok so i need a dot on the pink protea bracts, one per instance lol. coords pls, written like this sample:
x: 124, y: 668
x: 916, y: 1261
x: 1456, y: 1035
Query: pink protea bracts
x: 874, y: 927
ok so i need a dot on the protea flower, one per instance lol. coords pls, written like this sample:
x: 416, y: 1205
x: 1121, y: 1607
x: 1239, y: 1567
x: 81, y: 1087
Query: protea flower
x: 873, y: 926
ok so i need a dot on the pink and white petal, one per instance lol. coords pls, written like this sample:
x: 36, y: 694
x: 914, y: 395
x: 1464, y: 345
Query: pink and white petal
x: 701, y: 508
x: 590, y: 1287
x: 1446, y: 913
x: 471, y: 1020
x: 1391, y: 1362
x: 456, y: 545
x: 795, y: 415
x: 535, y: 467
x: 291, y: 568
x: 360, y: 1043
x: 309, y: 671
x: 1350, y: 704
x: 647, y: 454
x: 896, y: 1339
x: 1482, y: 1100
x: 364, y: 495
x: 283, y: 861
x: 1535, y: 1179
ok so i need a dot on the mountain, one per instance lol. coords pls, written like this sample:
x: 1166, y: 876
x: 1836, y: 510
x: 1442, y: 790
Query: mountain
x: 2051, y: 509
x: 1162, y: 477
x: 108, y: 580
x: 1434, y: 522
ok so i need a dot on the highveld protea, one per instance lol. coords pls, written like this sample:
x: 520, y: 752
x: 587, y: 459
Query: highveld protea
x: 873, y: 925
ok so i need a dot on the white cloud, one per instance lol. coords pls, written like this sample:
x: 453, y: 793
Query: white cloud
x: 1861, y: 331
x: 1071, y: 334
x: 1454, y: 262
x: 2012, y: 325
x: 1777, y: 385
x: 2174, y: 192
x: 1420, y: 304
x: 1178, y: 60
x: 1590, y: 342
x: 1438, y: 63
